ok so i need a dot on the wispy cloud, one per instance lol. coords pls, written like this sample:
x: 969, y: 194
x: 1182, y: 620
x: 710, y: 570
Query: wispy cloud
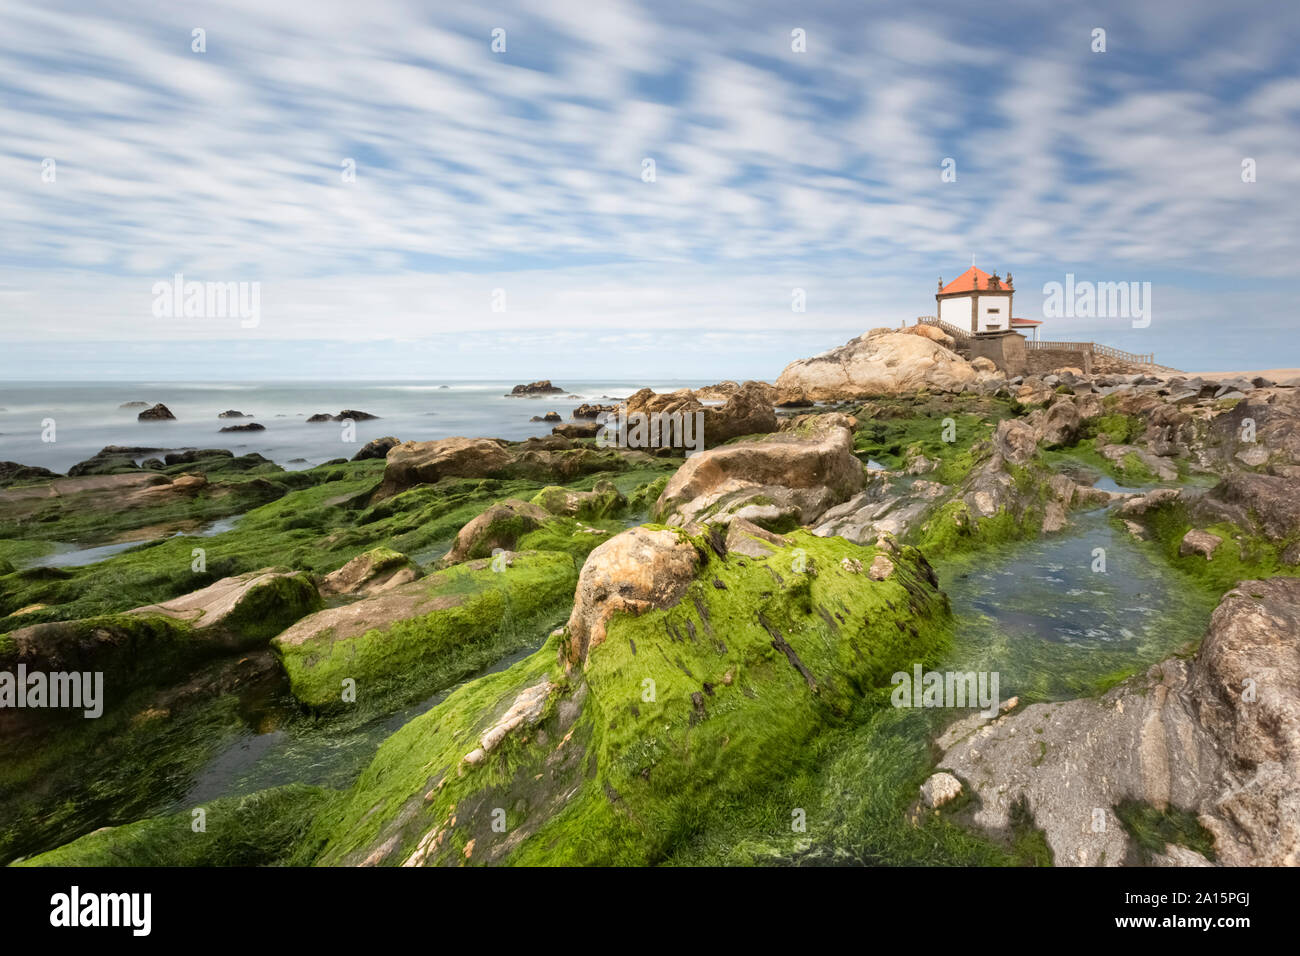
x: 523, y: 169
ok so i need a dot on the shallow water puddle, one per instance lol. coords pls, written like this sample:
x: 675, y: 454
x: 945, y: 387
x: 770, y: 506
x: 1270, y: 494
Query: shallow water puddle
x: 1065, y: 615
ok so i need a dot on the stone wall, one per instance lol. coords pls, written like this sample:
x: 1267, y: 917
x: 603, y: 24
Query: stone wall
x: 1042, y: 361
x: 1006, y: 350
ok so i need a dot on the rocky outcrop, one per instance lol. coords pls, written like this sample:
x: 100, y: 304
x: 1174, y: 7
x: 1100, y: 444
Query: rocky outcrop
x: 687, y: 676
x: 541, y: 387
x: 882, y: 362
x: 413, y: 463
x: 158, y: 413
x: 747, y: 411
x: 1217, y: 737
x: 788, y: 479
x: 884, y: 506
x: 246, y: 427
x: 588, y: 410
x: 550, y: 458
x: 573, y: 430
x: 12, y: 473
x: 163, y: 642
x: 1249, y: 500
x: 348, y: 414
x: 376, y: 448
x: 235, y: 602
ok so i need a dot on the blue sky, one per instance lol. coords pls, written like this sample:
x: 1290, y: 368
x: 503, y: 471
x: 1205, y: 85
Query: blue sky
x: 522, y: 171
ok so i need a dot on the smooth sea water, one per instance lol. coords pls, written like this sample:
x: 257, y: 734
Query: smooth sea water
x: 87, y: 417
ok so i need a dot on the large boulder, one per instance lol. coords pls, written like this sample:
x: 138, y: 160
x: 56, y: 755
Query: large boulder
x: 157, y: 413
x: 1060, y: 424
x: 1015, y: 440
x: 637, y: 571
x: 423, y: 462
x: 882, y: 362
x: 787, y: 479
x: 246, y: 602
x: 602, y: 501
x: 1217, y: 738
x: 747, y: 411
x: 498, y: 528
x: 934, y: 334
x: 376, y: 448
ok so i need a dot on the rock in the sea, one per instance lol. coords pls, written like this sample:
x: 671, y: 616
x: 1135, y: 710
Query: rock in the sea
x: 541, y: 387
x: 587, y: 410
x: 881, y: 362
x: 348, y: 414
x: 246, y: 427
x: 158, y: 413
x: 1217, y: 739
x: 376, y: 448
x: 232, y: 413
x: 134, y: 405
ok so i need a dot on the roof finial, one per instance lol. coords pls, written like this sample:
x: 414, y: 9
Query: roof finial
x: 972, y: 260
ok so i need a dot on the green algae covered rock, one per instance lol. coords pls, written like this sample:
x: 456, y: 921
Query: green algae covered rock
x: 603, y: 501
x: 260, y: 829
x: 417, y: 638
x: 690, y: 677
x: 162, y: 641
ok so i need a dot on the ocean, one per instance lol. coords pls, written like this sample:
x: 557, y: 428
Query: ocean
x: 86, y: 417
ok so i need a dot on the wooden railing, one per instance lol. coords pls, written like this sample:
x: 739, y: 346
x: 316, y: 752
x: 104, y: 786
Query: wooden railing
x: 1134, y: 358
x: 964, y: 337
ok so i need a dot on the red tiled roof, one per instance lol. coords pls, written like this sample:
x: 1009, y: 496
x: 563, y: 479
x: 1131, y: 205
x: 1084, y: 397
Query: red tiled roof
x: 1015, y: 322
x: 974, y: 279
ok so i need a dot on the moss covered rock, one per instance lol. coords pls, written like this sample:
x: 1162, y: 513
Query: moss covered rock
x: 498, y: 528
x: 603, y: 501
x: 162, y: 641
x: 702, y: 692
x: 378, y: 569
x: 414, y: 639
x: 261, y: 829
